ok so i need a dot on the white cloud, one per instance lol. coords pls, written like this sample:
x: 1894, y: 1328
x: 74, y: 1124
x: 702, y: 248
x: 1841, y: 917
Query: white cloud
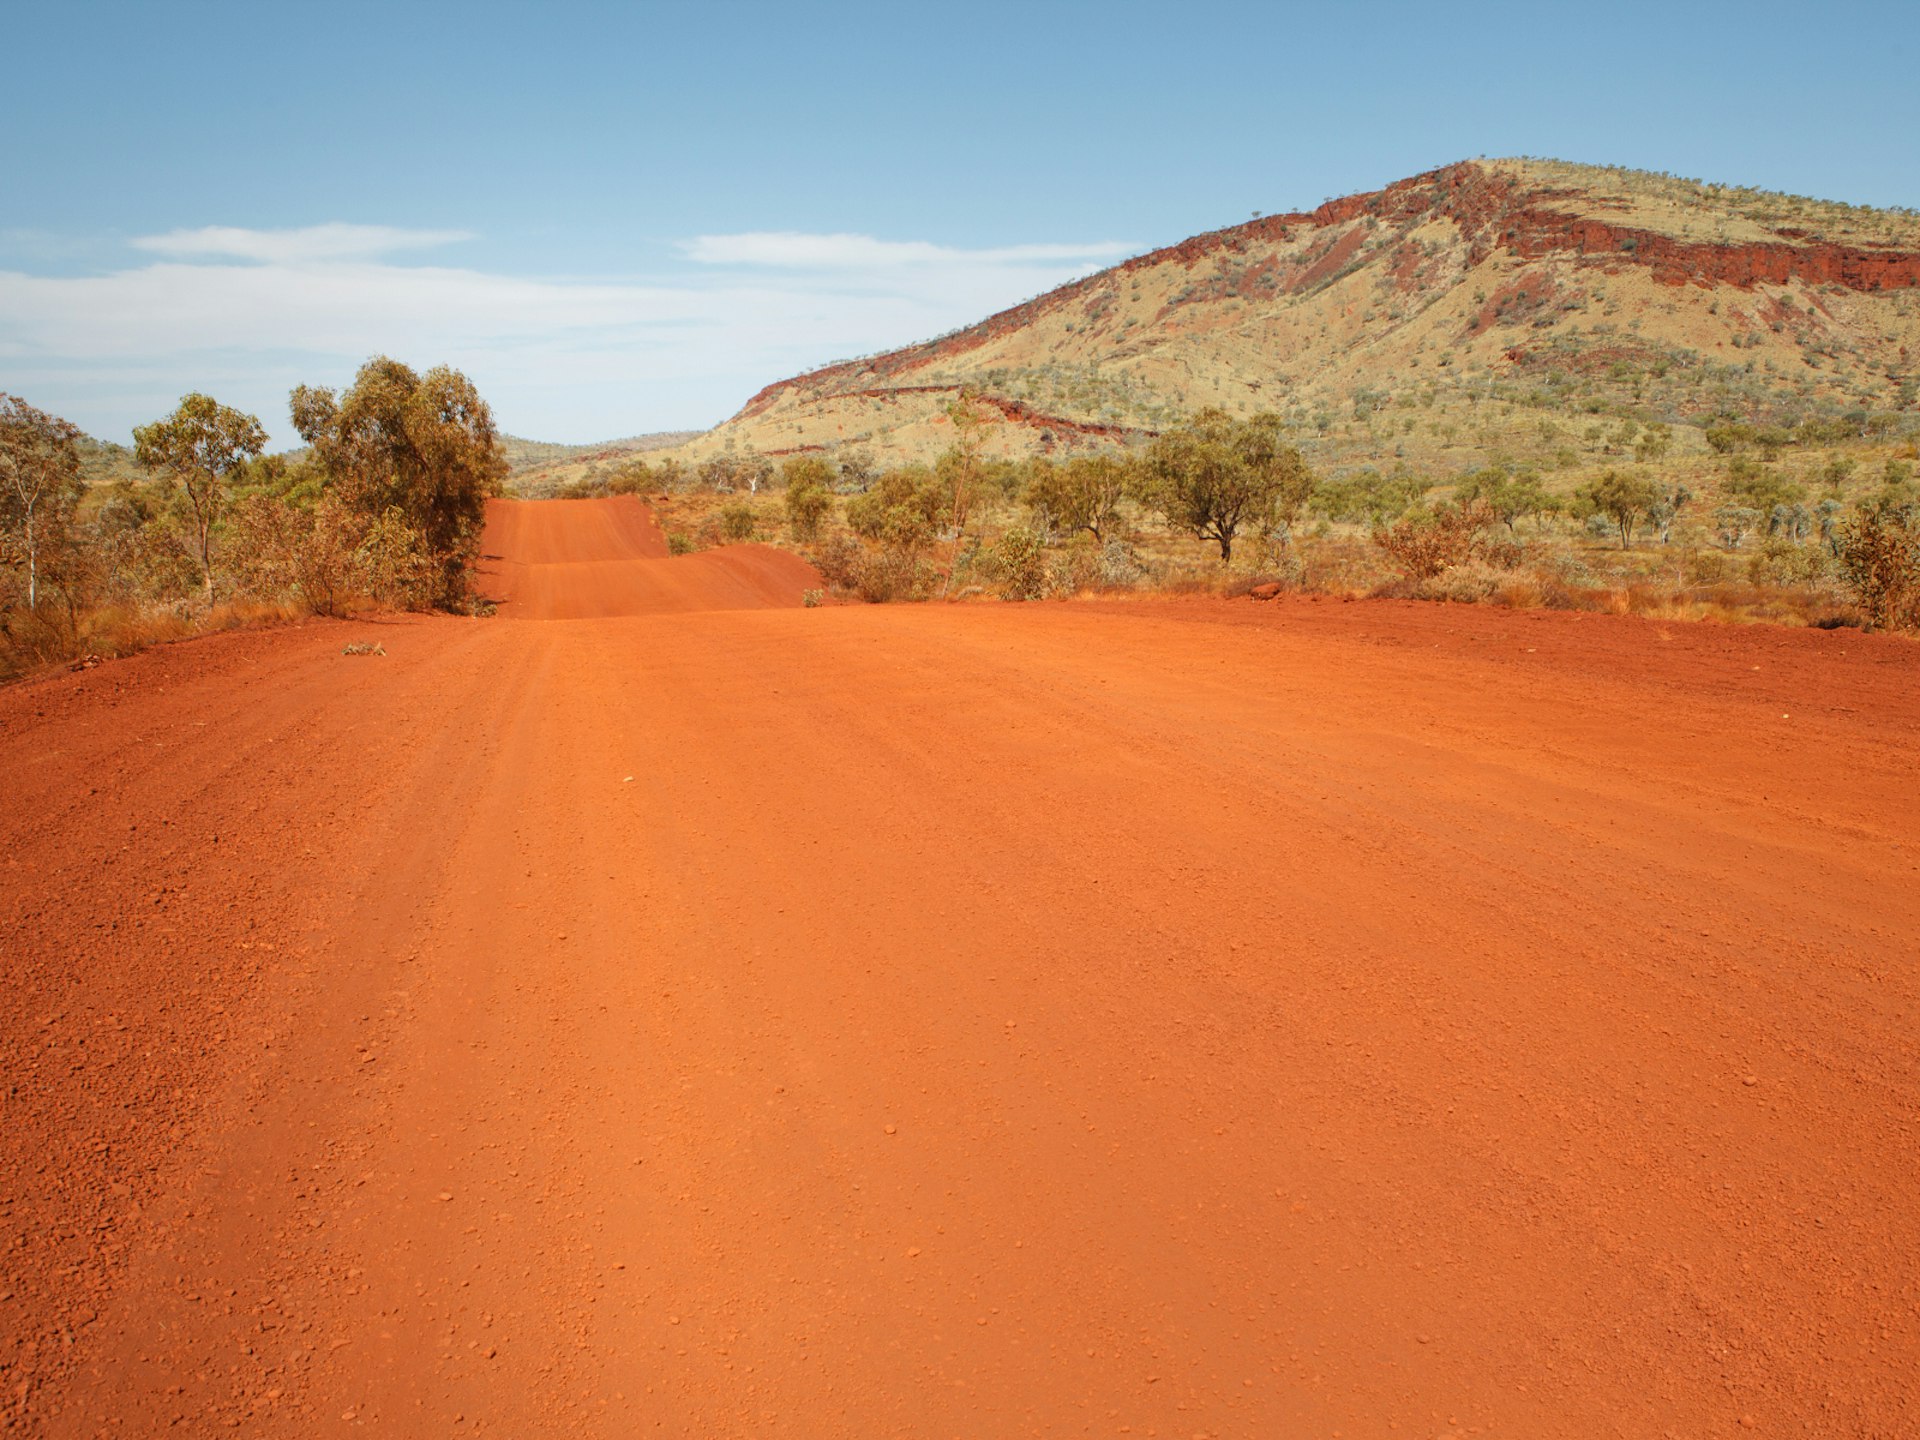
x: 292, y: 247
x: 787, y: 249
x: 559, y: 358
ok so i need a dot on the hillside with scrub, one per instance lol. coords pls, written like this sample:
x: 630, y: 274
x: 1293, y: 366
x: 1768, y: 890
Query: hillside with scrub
x: 1516, y: 382
x: 1667, y: 395
x: 1474, y: 302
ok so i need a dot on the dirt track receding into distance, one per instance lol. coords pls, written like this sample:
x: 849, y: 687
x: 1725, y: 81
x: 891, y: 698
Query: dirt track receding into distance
x: 663, y: 1009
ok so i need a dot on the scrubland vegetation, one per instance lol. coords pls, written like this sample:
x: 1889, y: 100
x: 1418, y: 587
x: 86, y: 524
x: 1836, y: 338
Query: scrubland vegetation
x: 1816, y: 524
x: 1446, y: 390
x: 383, y: 508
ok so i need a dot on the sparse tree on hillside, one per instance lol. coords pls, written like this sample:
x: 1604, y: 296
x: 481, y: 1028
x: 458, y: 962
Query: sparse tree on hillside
x: 1511, y: 499
x: 1672, y: 499
x: 1733, y: 522
x: 755, y: 470
x: 1827, y: 517
x: 1214, y: 475
x: 39, y: 483
x: 1654, y: 444
x: 1762, y: 488
x: 857, y: 469
x: 202, y: 445
x: 1623, y: 499
x: 422, y: 448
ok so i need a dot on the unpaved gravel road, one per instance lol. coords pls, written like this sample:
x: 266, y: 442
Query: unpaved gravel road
x: 662, y: 1009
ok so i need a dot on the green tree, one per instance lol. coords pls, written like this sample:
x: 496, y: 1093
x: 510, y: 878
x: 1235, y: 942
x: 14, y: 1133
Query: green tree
x: 1084, y: 493
x: 737, y: 523
x: 40, y: 484
x: 203, y: 445
x: 1762, y: 488
x: 898, y: 501
x: 1214, y: 475
x: 1733, y: 522
x: 1370, y: 497
x: 961, y: 474
x: 1654, y: 444
x: 1669, y: 502
x: 1879, y: 554
x: 1510, y: 498
x: 1623, y: 499
x: 809, y: 484
x: 669, y: 474
x: 1729, y: 437
x: 422, y: 448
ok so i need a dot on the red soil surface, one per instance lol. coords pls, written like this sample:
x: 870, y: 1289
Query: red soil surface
x: 1204, y: 1018
x: 583, y: 561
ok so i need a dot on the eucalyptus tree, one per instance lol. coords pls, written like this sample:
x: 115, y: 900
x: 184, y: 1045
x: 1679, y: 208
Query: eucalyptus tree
x: 40, y: 483
x: 202, y: 446
x: 1215, y: 475
x: 422, y: 447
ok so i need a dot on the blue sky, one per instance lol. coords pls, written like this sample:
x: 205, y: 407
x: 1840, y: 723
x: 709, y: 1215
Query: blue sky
x: 620, y: 218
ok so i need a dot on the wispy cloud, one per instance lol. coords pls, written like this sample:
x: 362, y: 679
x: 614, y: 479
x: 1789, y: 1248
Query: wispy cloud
x: 292, y: 247
x: 788, y: 249
x: 245, y: 314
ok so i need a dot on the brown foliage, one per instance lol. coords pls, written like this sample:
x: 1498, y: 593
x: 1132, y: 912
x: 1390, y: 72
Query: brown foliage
x: 1880, y: 555
x: 1425, y: 543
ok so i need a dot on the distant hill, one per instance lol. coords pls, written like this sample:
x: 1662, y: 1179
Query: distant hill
x: 1482, y: 310
x: 536, y: 468
x: 525, y: 455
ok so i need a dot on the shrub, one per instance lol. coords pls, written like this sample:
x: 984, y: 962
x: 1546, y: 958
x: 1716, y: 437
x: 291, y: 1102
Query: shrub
x: 1779, y: 561
x: 837, y: 559
x: 1427, y: 542
x: 1120, y: 565
x: 890, y: 573
x: 1470, y: 583
x: 737, y: 522
x: 1879, y: 554
x: 1019, y: 562
x: 1707, y: 567
x: 680, y: 543
x: 807, y: 505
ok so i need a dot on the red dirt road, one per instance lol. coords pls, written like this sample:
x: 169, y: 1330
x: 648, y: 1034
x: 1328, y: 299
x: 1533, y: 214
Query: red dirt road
x: 1177, y: 1019
x: 577, y: 561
